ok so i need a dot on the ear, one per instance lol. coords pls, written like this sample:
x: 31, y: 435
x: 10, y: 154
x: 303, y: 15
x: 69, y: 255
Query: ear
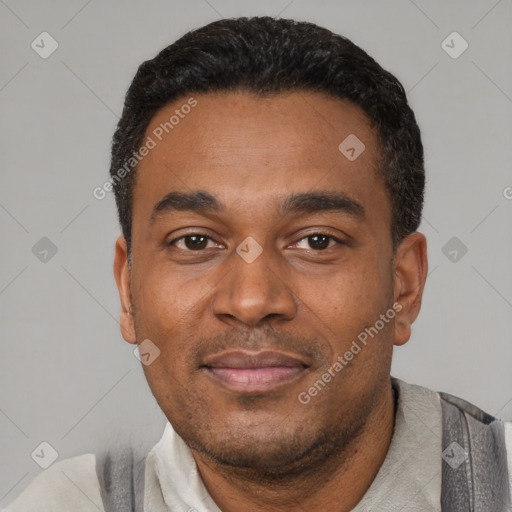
x: 122, y: 276
x: 411, y: 266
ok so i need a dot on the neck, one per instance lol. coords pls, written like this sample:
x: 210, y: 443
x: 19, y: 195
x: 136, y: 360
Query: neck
x: 337, y: 486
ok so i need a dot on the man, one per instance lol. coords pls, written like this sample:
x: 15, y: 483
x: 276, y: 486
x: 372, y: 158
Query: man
x: 269, y: 181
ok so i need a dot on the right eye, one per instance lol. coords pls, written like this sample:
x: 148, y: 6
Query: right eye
x: 192, y: 242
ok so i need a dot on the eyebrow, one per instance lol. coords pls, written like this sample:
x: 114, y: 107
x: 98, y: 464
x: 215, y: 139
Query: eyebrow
x: 196, y: 201
x: 313, y: 202
x: 309, y: 202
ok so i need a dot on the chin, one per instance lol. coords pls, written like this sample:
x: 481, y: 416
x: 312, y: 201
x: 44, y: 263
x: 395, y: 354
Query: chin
x: 266, y: 449
x: 257, y: 450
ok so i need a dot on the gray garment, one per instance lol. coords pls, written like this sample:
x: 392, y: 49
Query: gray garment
x: 475, y: 473
x: 121, y: 480
x: 473, y: 476
x: 409, y: 479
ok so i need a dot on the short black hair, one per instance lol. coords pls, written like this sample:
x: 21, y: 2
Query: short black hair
x: 265, y: 56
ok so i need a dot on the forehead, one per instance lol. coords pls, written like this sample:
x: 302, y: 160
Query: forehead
x: 250, y: 150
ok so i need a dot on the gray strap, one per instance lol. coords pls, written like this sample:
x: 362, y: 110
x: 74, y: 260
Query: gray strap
x: 121, y: 481
x: 139, y: 469
x: 475, y: 473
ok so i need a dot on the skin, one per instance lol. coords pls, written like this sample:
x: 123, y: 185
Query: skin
x: 267, y: 450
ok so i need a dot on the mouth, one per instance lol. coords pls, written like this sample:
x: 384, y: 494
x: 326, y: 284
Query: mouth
x: 253, y: 372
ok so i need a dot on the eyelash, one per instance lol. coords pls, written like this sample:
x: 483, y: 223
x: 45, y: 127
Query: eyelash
x: 328, y: 235
x: 182, y: 237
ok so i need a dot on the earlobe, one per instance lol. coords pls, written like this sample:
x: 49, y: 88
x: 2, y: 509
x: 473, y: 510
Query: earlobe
x: 123, y: 278
x: 410, y: 264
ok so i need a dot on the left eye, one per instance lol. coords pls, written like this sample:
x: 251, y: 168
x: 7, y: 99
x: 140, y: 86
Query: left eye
x: 193, y: 242
x: 317, y: 241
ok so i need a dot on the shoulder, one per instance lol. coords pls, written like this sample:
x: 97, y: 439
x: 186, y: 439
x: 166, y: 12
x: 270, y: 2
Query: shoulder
x: 490, y: 438
x: 70, y: 484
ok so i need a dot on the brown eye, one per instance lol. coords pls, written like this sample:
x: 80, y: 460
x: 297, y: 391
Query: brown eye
x: 319, y: 242
x: 194, y: 242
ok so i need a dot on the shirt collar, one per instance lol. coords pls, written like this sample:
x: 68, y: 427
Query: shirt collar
x: 410, y: 476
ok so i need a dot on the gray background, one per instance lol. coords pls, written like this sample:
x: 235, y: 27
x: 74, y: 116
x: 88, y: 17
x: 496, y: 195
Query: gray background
x: 67, y: 377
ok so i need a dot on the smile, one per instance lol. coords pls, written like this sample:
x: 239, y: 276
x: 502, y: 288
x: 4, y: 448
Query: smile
x: 254, y: 372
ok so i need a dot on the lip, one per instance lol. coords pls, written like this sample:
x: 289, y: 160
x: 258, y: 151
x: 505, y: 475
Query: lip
x: 254, y: 372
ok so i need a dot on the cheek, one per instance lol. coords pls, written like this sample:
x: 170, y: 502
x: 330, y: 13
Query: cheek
x: 351, y: 299
x: 165, y: 299
x: 170, y: 310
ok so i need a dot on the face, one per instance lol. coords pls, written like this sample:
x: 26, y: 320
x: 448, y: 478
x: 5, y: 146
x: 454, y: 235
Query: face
x: 261, y: 253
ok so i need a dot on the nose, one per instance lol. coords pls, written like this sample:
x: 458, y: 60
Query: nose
x: 253, y: 292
